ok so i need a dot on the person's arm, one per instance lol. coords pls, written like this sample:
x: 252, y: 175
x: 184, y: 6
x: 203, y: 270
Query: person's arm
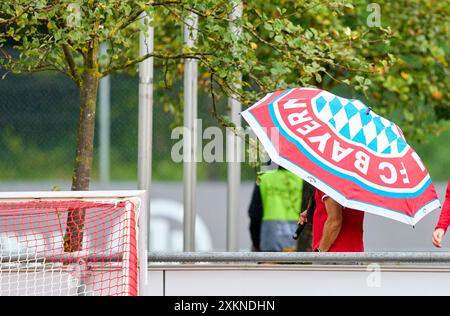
x: 307, y: 215
x: 255, y: 213
x: 308, y: 200
x: 444, y: 221
x: 333, y: 224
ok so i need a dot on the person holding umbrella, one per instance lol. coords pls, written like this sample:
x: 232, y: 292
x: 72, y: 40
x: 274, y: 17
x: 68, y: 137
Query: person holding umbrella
x: 444, y: 221
x: 358, y: 160
x: 335, y: 228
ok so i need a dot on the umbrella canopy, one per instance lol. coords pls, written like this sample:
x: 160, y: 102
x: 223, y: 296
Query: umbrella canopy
x: 344, y: 149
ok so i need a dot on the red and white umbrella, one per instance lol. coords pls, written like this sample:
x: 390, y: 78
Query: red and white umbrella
x: 344, y: 149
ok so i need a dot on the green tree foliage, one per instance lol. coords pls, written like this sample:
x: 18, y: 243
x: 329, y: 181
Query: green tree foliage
x: 282, y: 44
x: 413, y: 89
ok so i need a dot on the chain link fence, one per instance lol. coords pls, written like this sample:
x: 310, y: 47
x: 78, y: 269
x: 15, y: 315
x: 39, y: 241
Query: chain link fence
x: 38, y: 125
x: 38, y: 122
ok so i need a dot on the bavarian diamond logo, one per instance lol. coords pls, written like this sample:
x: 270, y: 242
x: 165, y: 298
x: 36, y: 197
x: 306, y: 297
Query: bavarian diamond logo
x: 354, y: 121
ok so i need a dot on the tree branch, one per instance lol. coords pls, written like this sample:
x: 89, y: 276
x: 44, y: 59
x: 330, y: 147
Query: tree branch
x: 135, y: 16
x: 205, y: 15
x: 5, y: 22
x: 125, y: 22
x: 198, y: 56
x: 71, y: 63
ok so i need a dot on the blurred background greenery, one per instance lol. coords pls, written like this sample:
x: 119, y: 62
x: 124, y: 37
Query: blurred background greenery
x: 38, y: 122
x: 39, y: 113
x: 402, y: 68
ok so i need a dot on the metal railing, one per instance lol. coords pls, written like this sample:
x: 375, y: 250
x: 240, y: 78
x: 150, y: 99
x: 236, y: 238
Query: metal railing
x: 252, y: 257
x: 301, y: 257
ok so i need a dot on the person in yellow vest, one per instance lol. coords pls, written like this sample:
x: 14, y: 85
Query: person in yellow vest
x: 274, y: 210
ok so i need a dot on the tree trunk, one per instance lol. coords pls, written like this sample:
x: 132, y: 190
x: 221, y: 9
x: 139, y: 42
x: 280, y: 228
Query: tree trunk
x: 73, y: 238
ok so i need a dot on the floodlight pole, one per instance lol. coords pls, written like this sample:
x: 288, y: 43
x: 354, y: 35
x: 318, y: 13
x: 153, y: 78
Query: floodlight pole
x: 234, y: 150
x: 190, y: 135
x: 104, y: 100
x: 145, y: 146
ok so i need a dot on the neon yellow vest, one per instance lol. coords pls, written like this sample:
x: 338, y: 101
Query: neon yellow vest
x: 281, y: 194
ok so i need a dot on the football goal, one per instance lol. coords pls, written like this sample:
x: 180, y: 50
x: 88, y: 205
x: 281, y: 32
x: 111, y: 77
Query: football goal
x: 72, y: 243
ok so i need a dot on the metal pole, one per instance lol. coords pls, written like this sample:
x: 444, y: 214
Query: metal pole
x: 190, y: 137
x: 302, y: 257
x: 145, y: 145
x: 104, y: 98
x: 234, y: 151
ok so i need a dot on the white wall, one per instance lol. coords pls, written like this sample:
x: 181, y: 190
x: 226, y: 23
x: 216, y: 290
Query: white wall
x: 285, y: 280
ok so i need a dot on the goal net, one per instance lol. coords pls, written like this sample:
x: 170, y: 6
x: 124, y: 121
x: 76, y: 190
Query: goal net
x: 69, y: 244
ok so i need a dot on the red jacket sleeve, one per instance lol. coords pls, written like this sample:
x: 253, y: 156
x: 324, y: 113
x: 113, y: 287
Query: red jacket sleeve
x: 444, y: 220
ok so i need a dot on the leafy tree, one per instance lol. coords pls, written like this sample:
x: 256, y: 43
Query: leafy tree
x: 413, y: 89
x: 272, y: 52
x: 283, y: 43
